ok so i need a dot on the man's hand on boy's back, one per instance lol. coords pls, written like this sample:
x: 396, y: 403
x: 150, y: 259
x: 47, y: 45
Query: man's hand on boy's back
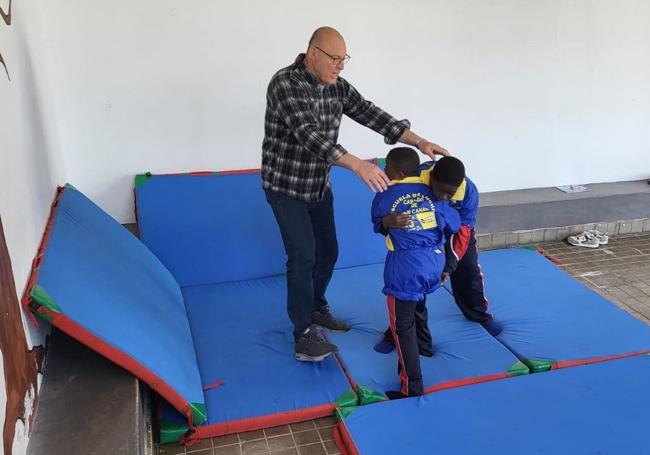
x: 396, y: 221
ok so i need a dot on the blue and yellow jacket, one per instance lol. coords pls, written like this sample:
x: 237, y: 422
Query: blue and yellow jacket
x: 415, y: 258
x: 465, y: 200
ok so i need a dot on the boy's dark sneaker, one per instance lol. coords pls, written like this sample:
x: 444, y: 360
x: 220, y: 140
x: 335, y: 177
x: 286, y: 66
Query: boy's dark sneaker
x: 311, y: 347
x: 387, y: 343
x: 385, y: 346
x: 324, y: 319
x: 397, y: 395
x: 493, y: 327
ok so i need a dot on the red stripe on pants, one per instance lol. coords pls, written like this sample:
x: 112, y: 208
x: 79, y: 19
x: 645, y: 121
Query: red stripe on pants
x: 404, y: 379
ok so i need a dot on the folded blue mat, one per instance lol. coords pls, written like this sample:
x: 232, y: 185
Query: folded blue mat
x: 99, y: 284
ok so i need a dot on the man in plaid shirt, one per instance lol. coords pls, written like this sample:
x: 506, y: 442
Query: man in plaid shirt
x: 304, y: 105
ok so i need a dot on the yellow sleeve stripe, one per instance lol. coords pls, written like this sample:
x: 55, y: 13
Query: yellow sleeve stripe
x: 460, y: 193
x: 389, y: 243
x: 408, y: 180
x: 425, y: 175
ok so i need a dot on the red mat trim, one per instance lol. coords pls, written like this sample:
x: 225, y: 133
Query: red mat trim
x: 38, y: 260
x: 573, y: 363
x: 258, y: 423
x: 344, y: 441
x: 121, y: 358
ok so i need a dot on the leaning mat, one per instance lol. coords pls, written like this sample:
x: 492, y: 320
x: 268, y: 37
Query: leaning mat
x: 99, y: 284
x: 464, y: 352
x: 601, y: 408
x: 232, y: 358
x: 549, y: 319
x: 216, y: 227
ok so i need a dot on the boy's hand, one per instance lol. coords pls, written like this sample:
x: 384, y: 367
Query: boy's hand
x: 444, y: 277
x: 396, y: 221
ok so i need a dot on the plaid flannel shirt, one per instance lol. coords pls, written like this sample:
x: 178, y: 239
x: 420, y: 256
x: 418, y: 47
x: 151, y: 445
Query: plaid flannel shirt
x: 301, y: 129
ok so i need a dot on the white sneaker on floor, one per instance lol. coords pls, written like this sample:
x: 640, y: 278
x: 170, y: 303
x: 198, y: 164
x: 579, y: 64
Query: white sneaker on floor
x: 585, y: 239
x: 603, y: 239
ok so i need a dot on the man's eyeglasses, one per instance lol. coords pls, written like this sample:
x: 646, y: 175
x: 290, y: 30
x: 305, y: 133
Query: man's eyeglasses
x: 335, y: 58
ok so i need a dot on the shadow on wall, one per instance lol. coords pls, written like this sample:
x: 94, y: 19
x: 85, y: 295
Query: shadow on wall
x: 20, y: 365
x: 6, y: 17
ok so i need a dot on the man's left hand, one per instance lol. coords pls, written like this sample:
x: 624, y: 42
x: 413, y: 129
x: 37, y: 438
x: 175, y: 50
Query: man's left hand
x: 431, y: 150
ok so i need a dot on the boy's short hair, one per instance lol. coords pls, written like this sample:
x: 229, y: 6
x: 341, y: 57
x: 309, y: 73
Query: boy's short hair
x: 449, y: 170
x: 404, y: 159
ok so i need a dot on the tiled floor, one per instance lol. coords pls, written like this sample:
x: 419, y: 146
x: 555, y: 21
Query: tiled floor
x: 306, y: 438
x: 620, y: 271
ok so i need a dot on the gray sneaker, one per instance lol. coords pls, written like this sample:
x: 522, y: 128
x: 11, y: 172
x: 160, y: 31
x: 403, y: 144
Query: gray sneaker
x: 586, y: 240
x: 324, y: 319
x: 311, y: 347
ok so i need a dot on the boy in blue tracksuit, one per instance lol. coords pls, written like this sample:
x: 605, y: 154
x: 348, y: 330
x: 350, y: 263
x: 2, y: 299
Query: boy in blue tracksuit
x: 466, y: 276
x: 415, y: 260
x: 462, y: 251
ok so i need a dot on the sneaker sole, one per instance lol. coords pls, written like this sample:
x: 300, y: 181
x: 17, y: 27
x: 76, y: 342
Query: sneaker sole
x: 330, y: 330
x: 307, y: 358
x: 584, y: 245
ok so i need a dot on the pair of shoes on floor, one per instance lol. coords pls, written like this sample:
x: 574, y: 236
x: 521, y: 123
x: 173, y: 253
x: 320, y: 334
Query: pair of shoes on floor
x: 589, y: 239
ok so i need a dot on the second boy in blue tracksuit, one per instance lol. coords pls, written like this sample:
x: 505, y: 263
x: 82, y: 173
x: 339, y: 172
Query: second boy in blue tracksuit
x: 466, y: 277
x: 414, y: 263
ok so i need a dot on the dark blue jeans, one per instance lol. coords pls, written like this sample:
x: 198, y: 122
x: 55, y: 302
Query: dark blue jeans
x: 309, y: 237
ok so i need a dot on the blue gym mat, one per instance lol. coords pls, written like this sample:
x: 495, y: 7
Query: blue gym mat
x: 101, y: 285
x: 213, y: 228
x: 227, y: 346
x: 209, y: 228
x: 464, y: 351
x: 244, y: 344
x: 549, y: 319
x: 602, y: 408
x: 358, y: 243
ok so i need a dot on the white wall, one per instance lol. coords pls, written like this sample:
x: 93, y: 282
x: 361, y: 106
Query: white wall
x: 528, y: 93
x: 30, y: 163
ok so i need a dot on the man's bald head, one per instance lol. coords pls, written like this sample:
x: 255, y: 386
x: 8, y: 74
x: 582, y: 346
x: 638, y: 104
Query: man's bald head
x: 323, y: 35
x: 326, y: 54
